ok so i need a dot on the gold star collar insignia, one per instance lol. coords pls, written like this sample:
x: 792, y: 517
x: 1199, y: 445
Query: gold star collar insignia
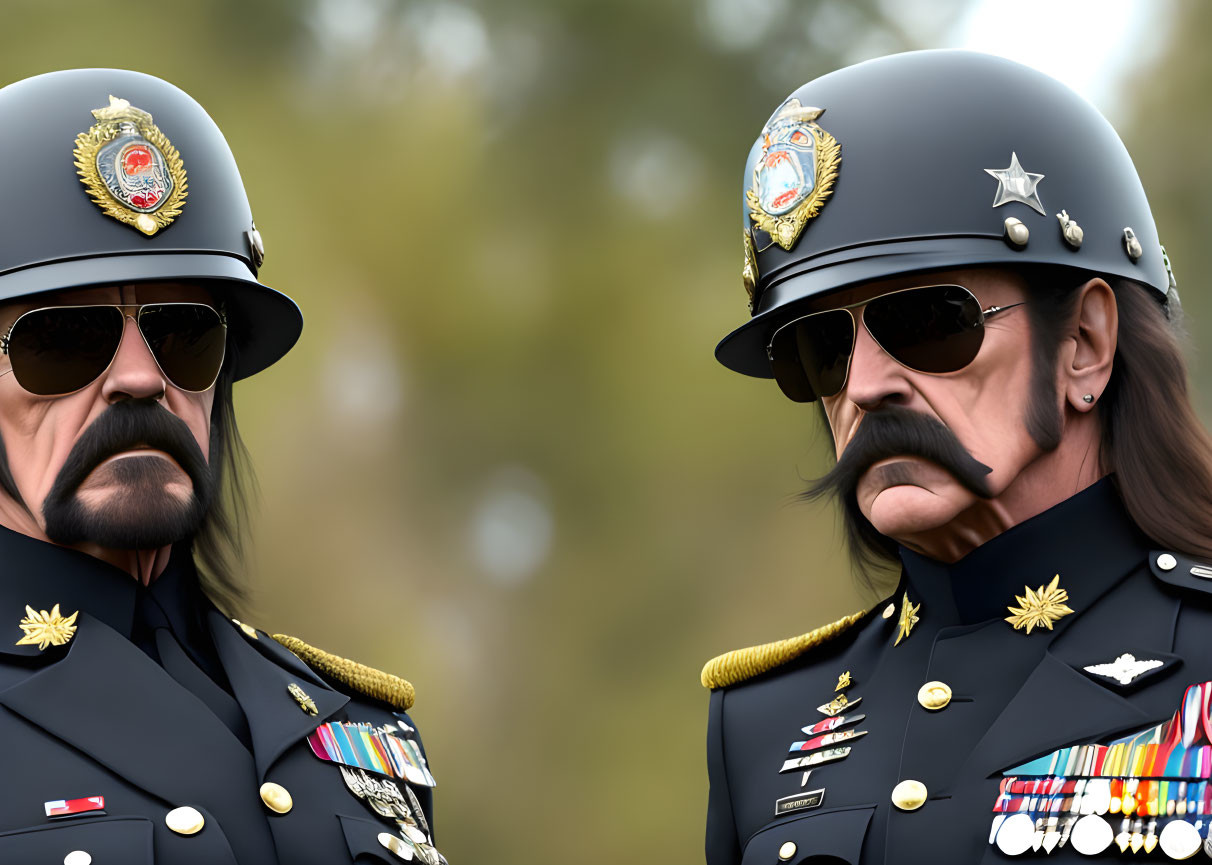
x: 44, y: 629
x: 1039, y: 607
x: 909, y: 618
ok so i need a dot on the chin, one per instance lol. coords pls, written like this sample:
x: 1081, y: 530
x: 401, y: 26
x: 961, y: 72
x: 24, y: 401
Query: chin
x: 905, y: 510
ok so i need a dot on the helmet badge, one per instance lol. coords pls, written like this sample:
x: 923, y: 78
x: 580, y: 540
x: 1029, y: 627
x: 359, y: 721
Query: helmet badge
x: 795, y: 174
x: 130, y: 169
x: 1015, y: 184
x: 749, y: 271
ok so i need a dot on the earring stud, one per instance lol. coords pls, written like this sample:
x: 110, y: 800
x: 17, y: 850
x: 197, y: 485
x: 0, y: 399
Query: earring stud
x: 1088, y: 398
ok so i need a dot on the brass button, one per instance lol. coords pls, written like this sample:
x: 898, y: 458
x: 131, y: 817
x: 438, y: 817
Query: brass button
x: 934, y: 695
x: 276, y: 797
x: 889, y: 611
x: 185, y: 820
x: 77, y: 857
x: 396, y: 845
x: 909, y: 795
x: 786, y: 851
x: 1167, y: 562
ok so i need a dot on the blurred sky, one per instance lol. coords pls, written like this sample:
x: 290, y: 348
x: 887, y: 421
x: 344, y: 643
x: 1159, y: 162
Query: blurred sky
x: 1091, y: 45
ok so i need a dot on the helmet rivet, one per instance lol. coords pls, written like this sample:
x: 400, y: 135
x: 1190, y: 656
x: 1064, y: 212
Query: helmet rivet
x: 1070, y: 230
x: 1132, y: 245
x: 1016, y: 233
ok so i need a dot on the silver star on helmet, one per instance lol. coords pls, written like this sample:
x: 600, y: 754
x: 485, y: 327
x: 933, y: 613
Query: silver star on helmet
x: 1015, y: 184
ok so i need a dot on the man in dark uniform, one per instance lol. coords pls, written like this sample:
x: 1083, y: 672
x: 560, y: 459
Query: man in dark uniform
x: 141, y: 724
x: 952, y: 255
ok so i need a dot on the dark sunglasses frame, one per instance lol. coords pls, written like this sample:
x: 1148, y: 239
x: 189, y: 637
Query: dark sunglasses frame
x: 133, y: 311
x: 790, y: 370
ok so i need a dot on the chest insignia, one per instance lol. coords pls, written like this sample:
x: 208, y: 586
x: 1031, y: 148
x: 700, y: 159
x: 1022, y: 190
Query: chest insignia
x: 799, y: 802
x: 376, y: 749
x: 388, y: 800
x: 818, y: 742
x: 838, y: 704
x: 828, y: 743
x: 1124, y: 669
x: 1039, y: 607
x: 306, y: 703
x: 1148, y: 789
x: 373, y: 761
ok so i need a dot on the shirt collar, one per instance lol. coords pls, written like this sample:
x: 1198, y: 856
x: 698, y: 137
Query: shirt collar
x: 1088, y: 540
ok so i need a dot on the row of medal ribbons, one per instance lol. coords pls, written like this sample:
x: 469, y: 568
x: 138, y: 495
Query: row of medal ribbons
x: 1147, y: 790
x: 375, y: 749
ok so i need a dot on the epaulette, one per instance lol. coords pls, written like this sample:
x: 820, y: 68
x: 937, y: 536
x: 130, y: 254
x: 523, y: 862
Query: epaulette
x: 741, y: 664
x: 376, y: 684
x: 1181, y: 571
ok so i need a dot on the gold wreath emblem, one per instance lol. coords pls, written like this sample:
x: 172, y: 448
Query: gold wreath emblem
x: 44, y: 628
x: 1039, y: 607
x: 749, y: 271
x: 109, y: 122
x: 827, y: 158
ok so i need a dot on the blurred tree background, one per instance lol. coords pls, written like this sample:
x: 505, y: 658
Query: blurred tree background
x: 502, y: 462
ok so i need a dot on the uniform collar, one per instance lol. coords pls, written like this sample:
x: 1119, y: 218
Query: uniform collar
x: 1088, y: 540
x: 40, y: 575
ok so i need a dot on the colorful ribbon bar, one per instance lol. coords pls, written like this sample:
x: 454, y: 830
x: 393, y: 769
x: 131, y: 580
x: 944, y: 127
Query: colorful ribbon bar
x: 374, y: 749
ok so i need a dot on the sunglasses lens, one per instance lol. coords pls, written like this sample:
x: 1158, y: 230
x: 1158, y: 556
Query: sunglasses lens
x: 188, y: 341
x: 811, y: 356
x: 932, y: 329
x: 62, y: 349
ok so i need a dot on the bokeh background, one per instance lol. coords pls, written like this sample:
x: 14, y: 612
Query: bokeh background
x: 502, y: 462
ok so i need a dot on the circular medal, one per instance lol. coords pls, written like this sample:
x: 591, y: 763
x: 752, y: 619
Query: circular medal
x: 1098, y: 795
x: 414, y: 833
x: 1091, y: 835
x: 1179, y: 839
x: 1015, y: 835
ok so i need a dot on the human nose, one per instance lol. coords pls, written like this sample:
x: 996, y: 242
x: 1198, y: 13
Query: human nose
x: 134, y: 373
x: 875, y: 379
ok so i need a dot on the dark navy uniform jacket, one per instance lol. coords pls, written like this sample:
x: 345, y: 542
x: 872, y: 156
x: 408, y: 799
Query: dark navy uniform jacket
x: 101, y: 716
x: 1016, y: 696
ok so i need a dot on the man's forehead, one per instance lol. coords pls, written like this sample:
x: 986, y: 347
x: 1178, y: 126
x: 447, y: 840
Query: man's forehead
x: 141, y: 292
x: 980, y: 281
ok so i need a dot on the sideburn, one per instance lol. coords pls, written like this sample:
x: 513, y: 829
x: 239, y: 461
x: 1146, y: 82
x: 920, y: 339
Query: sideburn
x: 1050, y: 306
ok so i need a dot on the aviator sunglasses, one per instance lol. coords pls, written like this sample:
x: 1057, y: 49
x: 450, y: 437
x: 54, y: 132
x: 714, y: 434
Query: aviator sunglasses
x: 931, y: 329
x: 57, y: 350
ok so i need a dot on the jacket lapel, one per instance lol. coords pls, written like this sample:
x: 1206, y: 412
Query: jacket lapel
x: 1056, y: 706
x: 109, y: 700
x: 275, y: 719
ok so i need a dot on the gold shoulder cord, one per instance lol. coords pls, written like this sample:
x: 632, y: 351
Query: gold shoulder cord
x: 376, y: 684
x: 741, y: 664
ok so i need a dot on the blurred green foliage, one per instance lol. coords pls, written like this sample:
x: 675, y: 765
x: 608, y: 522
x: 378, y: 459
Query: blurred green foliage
x: 512, y: 228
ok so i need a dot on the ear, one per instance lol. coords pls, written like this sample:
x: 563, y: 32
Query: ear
x: 1090, y: 349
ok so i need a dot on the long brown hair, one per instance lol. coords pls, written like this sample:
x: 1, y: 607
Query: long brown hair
x: 1152, y: 440
x: 219, y: 543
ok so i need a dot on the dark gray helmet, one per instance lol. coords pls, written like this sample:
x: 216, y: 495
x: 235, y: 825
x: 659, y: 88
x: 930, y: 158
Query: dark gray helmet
x: 114, y: 177
x: 925, y: 161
